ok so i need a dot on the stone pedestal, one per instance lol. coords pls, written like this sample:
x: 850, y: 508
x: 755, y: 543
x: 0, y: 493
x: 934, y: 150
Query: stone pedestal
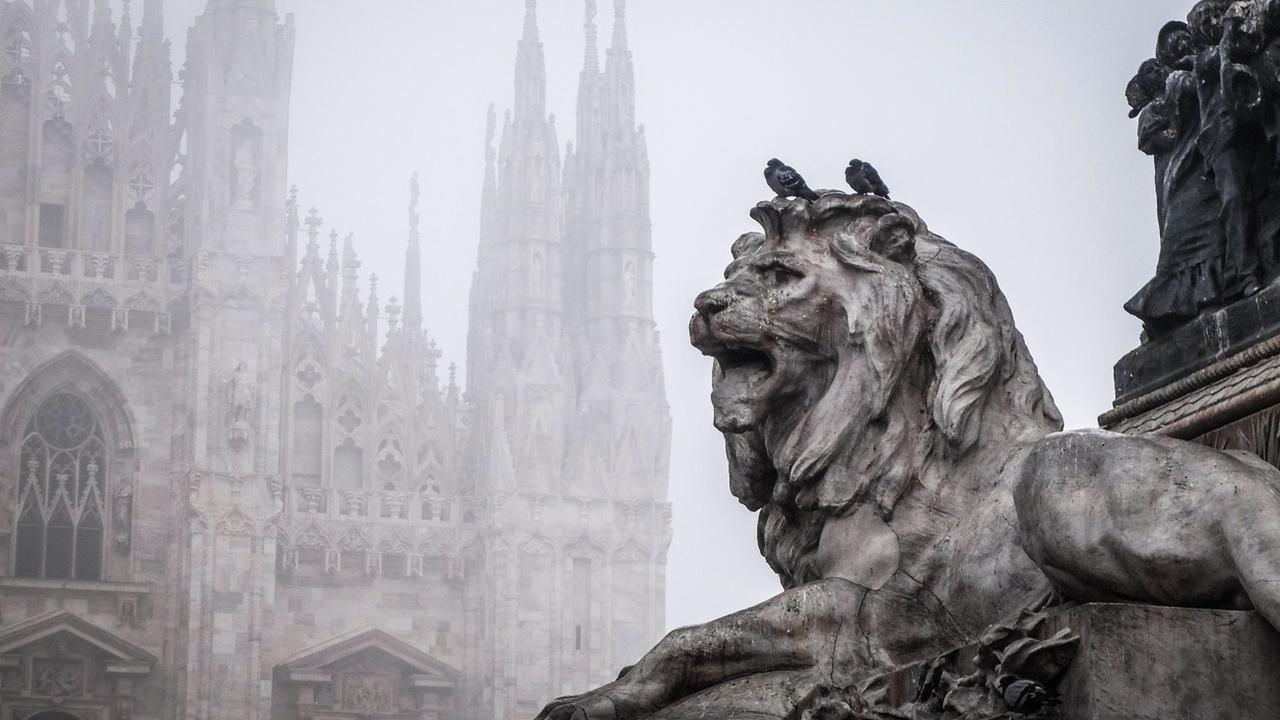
x: 1206, y: 340
x: 1215, y: 380
x: 1137, y: 662
x: 1141, y: 662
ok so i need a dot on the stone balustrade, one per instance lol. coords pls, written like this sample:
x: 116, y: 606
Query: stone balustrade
x: 80, y: 279
x: 394, y: 507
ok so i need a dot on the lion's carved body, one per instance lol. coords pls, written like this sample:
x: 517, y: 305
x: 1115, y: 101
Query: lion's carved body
x: 885, y: 418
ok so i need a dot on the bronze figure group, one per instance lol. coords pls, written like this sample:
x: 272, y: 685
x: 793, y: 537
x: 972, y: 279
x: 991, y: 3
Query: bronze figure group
x: 1208, y: 113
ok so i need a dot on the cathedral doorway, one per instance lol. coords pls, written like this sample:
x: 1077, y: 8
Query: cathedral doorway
x: 53, y: 715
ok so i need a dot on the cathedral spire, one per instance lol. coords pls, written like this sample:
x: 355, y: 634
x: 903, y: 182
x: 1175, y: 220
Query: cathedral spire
x: 103, y: 33
x: 490, y: 154
x: 589, y: 110
x: 531, y: 69
x: 530, y: 21
x: 350, y: 273
x: 259, y: 5
x: 489, y: 193
x: 591, y: 62
x: 620, y: 76
x: 413, y: 265
x: 620, y: 25
x: 153, y: 19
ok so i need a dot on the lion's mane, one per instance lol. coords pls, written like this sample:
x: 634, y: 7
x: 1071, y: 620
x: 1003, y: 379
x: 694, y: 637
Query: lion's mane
x: 938, y: 320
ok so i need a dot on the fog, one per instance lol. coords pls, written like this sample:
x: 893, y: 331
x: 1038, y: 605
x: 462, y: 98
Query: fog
x: 1003, y: 123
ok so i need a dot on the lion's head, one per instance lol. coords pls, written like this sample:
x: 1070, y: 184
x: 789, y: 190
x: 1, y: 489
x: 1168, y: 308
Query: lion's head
x: 857, y: 356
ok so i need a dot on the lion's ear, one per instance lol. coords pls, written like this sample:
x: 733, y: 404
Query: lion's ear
x: 747, y: 244
x: 895, y: 238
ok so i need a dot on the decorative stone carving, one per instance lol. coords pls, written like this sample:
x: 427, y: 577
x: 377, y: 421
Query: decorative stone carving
x: 193, y: 488
x: 312, y: 497
x: 122, y: 514
x: 394, y: 504
x: 354, y: 540
x: 368, y: 693
x: 883, y: 415
x: 355, y: 501
x: 57, y: 677
x: 8, y: 503
x: 236, y: 523
x: 241, y: 394
x: 312, y: 537
x: 1012, y: 673
x: 128, y: 614
x: 395, y: 544
x: 276, y: 488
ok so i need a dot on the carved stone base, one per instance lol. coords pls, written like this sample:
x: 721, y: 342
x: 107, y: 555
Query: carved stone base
x: 1210, y: 338
x: 1139, y: 662
x: 1228, y: 391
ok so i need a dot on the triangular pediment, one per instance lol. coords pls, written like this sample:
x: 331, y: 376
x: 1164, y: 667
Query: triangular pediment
x: 49, y: 625
x: 332, y: 653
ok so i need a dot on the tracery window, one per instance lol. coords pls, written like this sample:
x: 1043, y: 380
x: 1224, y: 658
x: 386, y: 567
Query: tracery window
x: 61, y: 492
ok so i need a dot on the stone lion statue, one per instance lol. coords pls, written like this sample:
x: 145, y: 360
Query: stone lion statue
x: 883, y: 416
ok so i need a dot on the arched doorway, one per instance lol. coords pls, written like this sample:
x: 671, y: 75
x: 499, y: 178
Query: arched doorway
x: 53, y: 715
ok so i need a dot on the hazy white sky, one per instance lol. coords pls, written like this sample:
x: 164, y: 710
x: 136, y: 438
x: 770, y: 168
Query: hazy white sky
x: 1002, y: 122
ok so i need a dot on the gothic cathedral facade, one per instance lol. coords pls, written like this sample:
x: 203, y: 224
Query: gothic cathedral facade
x: 236, y: 485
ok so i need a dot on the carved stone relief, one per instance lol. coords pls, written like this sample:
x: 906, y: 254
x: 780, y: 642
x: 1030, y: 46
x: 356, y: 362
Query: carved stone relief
x: 122, y: 514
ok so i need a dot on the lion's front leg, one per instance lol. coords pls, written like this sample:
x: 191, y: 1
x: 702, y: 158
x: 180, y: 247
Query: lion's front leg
x: 808, y: 628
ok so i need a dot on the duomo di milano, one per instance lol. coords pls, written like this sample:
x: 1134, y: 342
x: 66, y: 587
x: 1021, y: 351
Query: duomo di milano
x: 235, y: 484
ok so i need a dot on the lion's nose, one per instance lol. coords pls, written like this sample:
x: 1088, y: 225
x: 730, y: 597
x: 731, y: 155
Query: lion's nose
x: 711, y: 301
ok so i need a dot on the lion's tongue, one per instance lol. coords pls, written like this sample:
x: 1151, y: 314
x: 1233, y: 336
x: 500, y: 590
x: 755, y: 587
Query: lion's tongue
x: 735, y: 391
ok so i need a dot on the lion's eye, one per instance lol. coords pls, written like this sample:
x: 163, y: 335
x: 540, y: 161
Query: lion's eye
x: 779, y: 274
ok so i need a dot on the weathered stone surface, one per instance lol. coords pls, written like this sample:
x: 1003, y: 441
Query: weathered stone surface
x: 1138, y: 662
x: 1130, y: 662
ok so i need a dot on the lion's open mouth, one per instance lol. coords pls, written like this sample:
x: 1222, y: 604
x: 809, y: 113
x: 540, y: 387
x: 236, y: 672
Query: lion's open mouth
x: 741, y: 387
x: 745, y: 365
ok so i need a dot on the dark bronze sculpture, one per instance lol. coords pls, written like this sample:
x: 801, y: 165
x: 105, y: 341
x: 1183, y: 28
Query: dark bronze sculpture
x: 1208, y: 108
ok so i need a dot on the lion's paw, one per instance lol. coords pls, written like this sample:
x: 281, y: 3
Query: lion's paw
x: 591, y: 706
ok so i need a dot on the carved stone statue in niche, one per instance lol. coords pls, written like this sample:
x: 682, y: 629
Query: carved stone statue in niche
x: 242, y: 392
x: 122, y: 515
x: 1208, y: 108
x: 244, y: 174
x: 8, y: 503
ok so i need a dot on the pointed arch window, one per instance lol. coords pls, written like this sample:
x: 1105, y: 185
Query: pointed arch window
x: 17, y: 48
x: 63, y: 474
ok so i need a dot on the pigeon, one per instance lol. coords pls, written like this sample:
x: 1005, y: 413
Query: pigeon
x: 1025, y: 697
x: 786, y: 182
x: 864, y: 179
